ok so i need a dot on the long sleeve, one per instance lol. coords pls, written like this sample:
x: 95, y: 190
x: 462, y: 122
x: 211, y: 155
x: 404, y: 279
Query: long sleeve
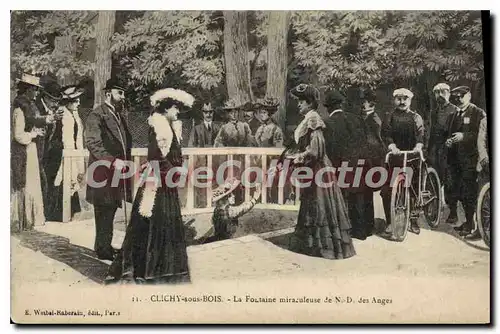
x: 482, y: 139
x: 249, y: 139
x: 316, y: 148
x: 471, y: 135
x: 193, y: 138
x: 220, y: 139
x: 22, y: 137
x: 386, y: 130
x: 420, y: 135
x: 240, y: 210
x: 93, y: 137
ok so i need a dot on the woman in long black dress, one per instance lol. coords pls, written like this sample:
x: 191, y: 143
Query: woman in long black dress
x: 154, y: 248
x: 323, y: 227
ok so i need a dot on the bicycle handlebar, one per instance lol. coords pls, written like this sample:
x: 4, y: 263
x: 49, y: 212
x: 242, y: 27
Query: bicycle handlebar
x: 402, y: 153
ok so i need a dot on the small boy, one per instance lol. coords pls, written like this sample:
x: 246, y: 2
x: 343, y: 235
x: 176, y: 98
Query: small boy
x: 226, y: 214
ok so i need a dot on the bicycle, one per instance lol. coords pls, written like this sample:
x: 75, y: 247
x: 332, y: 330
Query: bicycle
x: 483, y: 213
x: 426, y: 198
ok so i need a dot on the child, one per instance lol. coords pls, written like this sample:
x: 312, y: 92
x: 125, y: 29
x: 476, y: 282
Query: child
x: 225, y: 216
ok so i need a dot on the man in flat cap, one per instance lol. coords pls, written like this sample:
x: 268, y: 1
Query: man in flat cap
x: 346, y: 143
x: 438, y: 129
x: 402, y: 129
x: 463, y: 128
x: 108, y: 140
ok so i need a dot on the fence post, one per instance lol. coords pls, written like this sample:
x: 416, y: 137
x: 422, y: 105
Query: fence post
x: 210, y: 181
x: 137, y: 165
x: 247, y: 189
x: 264, y: 170
x: 66, y: 204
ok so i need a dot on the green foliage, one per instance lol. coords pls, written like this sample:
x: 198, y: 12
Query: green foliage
x: 375, y: 48
x: 328, y: 48
x: 33, y: 37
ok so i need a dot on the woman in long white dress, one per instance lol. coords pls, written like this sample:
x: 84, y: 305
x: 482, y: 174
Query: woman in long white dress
x: 27, y: 208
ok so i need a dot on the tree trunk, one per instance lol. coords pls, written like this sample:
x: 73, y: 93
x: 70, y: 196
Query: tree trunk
x: 236, y: 56
x: 65, y: 44
x: 104, y: 32
x: 277, y: 60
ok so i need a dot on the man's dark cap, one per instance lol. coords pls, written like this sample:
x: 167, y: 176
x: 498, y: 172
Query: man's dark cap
x: 460, y: 90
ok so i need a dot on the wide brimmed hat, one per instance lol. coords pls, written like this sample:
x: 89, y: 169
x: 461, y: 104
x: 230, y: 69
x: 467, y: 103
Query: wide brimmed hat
x: 460, y: 90
x: 225, y: 189
x: 71, y: 92
x: 233, y: 104
x: 402, y: 92
x: 305, y: 92
x: 52, y: 90
x: 268, y: 103
x: 114, y: 83
x: 30, y: 79
x: 176, y: 95
x: 333, y: 98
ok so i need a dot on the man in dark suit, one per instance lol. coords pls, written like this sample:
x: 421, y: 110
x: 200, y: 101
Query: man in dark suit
x: 346, y: 142
x: 109, y: 143
x: 203, y: 134
x: 376, y: 150
x: 463, y: 129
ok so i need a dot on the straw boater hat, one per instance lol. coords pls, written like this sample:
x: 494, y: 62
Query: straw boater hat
x: 225, y: 189
x: 30, y: 80
x: 71, y: 92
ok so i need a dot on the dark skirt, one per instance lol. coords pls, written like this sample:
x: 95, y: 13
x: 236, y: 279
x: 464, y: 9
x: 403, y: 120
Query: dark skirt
x: 54, y: 204
x: 154, y: 248
x: 323, y: 226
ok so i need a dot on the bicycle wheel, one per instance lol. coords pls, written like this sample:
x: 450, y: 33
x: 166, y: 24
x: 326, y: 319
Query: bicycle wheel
x: 400, y: 209
x: 431, y: 197
x: 483, y: 214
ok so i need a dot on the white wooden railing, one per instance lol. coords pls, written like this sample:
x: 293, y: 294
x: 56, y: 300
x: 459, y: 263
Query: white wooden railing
x: 191, y: 154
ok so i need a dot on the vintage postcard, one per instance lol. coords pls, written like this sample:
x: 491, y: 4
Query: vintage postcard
x: 319, y: 167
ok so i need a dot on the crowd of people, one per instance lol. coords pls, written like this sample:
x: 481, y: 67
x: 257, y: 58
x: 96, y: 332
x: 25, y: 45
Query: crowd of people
x: 46, y: 121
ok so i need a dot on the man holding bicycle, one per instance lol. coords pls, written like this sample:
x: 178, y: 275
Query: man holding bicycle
x: 402, y: 129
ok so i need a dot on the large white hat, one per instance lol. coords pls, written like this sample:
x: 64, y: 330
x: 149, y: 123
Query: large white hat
x: 174, y: 94
x: 402, y: 92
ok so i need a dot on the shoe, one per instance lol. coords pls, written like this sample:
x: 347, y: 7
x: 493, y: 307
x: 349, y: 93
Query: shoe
x: 414, y: 228
x: 452, y: 220
x: 474, y: 235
